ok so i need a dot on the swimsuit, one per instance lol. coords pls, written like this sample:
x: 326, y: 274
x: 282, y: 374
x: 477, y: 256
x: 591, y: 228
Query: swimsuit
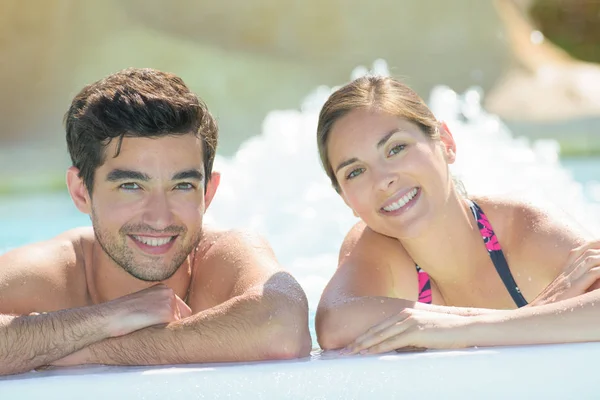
x: 493, y: 247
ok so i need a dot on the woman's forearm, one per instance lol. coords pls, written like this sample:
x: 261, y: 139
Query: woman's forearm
x: 341, y: 322
x: 568, y: 321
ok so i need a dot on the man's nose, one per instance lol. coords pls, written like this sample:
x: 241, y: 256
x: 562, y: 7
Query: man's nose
x: 158, y: 213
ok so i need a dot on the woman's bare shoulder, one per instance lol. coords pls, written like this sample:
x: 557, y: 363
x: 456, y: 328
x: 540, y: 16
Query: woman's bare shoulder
x: 374, y: 264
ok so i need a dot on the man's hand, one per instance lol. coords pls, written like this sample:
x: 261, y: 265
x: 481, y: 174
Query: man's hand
x: 155, y: 305
x: 581, y: 275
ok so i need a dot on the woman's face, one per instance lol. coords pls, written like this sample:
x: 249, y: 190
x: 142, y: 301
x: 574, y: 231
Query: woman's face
x: 393, y: 176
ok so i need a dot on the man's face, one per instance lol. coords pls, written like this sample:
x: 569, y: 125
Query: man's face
x: 148, y: 202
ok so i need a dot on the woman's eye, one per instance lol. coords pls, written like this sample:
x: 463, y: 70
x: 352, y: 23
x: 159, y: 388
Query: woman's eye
x: 354, y: 173
x: 129, y: 186
x: 396, y: 149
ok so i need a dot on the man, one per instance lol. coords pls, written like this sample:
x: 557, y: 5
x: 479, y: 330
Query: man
x: 147, y: 284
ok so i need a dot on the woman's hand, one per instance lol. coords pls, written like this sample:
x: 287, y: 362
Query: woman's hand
x: 412, y: 330
x: 581, y: 275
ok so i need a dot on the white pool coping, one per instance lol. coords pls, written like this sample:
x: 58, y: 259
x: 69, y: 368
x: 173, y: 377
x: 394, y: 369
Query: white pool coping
x: 526, y: 372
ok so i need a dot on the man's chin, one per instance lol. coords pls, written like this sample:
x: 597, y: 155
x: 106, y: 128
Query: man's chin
x: 148, y: 275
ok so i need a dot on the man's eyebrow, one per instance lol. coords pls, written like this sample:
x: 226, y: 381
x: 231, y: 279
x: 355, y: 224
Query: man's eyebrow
x: 117, y: 175
x: 188, y: 174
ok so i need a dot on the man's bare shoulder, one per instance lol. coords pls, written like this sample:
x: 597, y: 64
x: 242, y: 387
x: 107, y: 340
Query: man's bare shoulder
x: 232, y: 242
x: 228, y: 262
x: 45, y: 276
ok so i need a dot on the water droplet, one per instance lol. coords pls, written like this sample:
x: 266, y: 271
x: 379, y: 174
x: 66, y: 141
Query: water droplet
x: 536, y: 37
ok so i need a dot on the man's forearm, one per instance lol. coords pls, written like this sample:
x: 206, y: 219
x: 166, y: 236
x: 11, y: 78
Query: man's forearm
x: 246, y: 328
x: 28, y: 342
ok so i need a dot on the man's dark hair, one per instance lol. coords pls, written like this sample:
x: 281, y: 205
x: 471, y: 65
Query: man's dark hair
x: 134, y: 103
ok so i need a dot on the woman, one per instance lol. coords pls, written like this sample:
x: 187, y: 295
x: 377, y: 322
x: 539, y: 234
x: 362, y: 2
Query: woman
x: 428, y: 266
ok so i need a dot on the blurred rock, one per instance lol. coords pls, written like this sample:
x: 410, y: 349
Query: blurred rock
x: 243, y: 57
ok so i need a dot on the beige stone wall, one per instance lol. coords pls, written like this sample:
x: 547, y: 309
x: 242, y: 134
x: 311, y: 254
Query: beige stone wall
x: 247, y: 57
x: 244, y: 57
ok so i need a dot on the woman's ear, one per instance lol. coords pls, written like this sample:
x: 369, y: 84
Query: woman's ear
x: 448, y: 141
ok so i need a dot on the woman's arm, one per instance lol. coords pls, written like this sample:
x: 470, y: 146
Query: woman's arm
x: 369, y: 287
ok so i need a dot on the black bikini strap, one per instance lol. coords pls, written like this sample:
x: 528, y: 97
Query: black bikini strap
x: 500, y: 263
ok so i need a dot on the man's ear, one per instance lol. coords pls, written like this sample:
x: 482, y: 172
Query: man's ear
x: 78, y: 191
x: 211, y: 189
x: 449, y: 144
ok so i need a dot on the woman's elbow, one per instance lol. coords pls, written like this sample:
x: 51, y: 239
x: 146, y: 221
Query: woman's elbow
x: 331, y: 332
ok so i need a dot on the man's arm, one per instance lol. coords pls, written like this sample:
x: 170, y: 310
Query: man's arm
x: 260, y: 313
x: 31, y: 281
x: 28, y: 342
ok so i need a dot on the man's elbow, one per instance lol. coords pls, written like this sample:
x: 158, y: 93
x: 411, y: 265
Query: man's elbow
x: 288, y: 336
x: 286, y: 344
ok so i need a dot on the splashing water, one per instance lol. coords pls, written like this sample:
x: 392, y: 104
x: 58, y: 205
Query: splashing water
x: 275, y: 184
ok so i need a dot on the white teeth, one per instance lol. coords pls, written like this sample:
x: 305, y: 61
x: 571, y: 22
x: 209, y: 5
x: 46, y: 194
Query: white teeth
x: 402, y: 201
x: 152, y: 241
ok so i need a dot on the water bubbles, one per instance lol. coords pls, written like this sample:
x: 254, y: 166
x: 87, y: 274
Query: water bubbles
x: 379, y: 68
x: 276, y: 185
x: 359, y: 72
x: 536, y: 37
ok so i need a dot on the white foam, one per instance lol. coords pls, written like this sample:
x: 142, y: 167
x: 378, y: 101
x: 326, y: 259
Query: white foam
x: 275, y: 183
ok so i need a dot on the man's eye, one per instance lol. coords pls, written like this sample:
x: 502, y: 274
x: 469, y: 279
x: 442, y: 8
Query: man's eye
x: 129, y: 186
x: 185, y: 186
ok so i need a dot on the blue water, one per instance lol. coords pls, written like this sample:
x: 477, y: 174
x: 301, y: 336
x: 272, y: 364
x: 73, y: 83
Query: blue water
x: 585, y: 170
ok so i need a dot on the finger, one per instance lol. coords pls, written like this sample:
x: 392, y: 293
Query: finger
x: 592, y: 260
x: 175, y: 308
x: 358, y: 346
x: 399, y: 342
x: 582, y: 284
x: 184, y: 310
x: 410, y: 349
x: 578, y: 252
x: 588, y: 260
x: 375, y: 329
